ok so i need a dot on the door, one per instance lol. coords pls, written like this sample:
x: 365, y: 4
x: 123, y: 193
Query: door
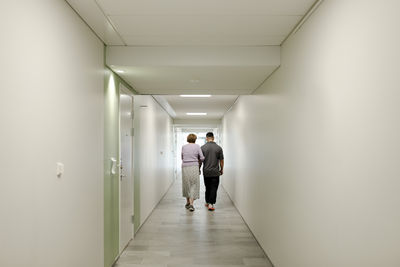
x: 126, y: 174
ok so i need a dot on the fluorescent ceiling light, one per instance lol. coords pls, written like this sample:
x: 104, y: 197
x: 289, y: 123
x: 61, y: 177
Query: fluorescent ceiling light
x: 120, y: 71
x: 195, y: 95
x: 196, y: 113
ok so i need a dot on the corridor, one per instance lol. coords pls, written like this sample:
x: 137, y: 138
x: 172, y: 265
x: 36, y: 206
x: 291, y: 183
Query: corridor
x: 98, y: 98
x: 175, y: 237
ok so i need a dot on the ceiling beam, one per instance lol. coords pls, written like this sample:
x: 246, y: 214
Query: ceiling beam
x: 193, y: 56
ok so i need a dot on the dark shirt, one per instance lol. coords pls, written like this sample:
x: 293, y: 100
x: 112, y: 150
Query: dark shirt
x: 213, y: 154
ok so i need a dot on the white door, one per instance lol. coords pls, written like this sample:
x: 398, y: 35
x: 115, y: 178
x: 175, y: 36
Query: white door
x: 126, y: 177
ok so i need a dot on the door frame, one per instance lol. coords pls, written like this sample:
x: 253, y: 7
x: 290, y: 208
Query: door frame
x: 125, y: 91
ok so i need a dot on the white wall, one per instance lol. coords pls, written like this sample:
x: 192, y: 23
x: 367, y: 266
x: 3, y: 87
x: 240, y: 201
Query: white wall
x: 51, y: 104
x: 313, y: 156
x: 154, y: 165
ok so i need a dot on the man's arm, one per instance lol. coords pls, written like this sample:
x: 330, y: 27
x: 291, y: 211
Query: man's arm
x: 221, y: 165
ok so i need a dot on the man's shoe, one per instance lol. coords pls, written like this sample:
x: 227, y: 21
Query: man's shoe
x: 211, y: 207
x: 206, y: 205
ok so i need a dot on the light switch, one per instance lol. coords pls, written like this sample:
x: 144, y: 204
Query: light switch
x: 60, y: 169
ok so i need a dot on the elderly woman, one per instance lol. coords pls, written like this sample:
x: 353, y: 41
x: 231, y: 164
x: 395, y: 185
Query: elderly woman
x: 192, y: 157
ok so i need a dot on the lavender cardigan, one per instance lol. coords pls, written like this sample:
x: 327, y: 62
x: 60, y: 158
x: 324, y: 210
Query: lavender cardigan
x: 191, y: 154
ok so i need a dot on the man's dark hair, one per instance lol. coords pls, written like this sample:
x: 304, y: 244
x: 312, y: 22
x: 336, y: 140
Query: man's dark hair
x: 210, y: 135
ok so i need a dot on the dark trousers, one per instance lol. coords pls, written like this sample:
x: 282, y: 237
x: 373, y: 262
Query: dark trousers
x: 211, y: 184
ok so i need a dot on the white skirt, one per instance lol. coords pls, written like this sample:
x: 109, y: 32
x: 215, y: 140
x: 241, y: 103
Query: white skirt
x: 191, y: 182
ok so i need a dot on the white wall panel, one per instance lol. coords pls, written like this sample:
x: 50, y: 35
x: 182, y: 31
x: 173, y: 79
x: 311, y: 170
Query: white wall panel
x: 312, y: 157
x: 154, y: 165
x: 51, y: 110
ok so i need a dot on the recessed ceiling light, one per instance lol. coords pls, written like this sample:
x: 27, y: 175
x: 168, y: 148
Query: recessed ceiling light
x: 194, y: 81
x: 120, y: 71
x: 196, y: 114
x: 195, y: 95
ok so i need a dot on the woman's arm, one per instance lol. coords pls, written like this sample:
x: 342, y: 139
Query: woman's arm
x: 201, y: 156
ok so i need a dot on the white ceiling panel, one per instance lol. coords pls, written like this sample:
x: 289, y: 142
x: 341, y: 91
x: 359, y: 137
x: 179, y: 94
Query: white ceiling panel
x: 194, y: 56
x: 203, y: 40
x: 204, y: 25
x: 194, y: 80
x: 96, y: 19
x: 215, y: 106
x: 205, y: 7
x: 176, y: 70
x: 171, y: 42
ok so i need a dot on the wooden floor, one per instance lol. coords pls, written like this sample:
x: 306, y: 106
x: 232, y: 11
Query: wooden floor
x: 175, y: 237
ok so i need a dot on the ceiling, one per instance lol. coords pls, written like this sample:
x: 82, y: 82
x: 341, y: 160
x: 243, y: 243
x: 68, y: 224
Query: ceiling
x: 214, y: 80
x: 162, y: 46
x: 193, y: 22
x: 194, y: 70
x: 215, y: 106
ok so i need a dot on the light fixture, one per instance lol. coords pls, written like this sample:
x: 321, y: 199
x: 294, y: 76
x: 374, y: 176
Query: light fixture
x: 194, y: 81
x: 195, y: 95
x: 196, y: 114
x: 120, y: 71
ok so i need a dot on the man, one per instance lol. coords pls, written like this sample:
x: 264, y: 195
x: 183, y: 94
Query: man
x: 213, y: 167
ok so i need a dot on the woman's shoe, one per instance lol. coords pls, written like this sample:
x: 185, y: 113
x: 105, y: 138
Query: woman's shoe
x: 187, y: 206
x: 211, y: 207
x: 191, y: 208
